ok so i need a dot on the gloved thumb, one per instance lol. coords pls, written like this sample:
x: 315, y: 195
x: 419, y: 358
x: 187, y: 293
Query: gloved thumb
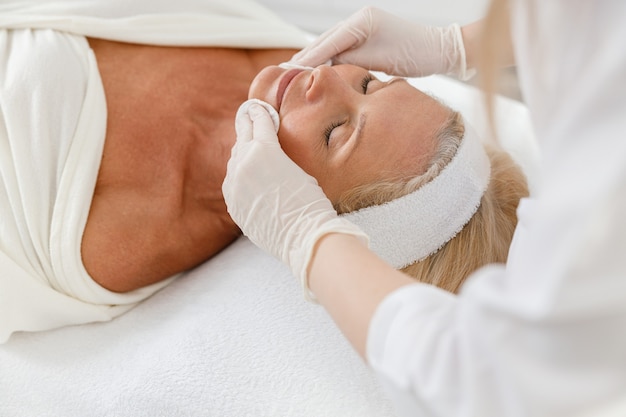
x: 263, y: 127
x: 254, y: 117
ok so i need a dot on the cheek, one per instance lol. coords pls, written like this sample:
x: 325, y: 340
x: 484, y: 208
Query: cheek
x: 300, y: 143
x: 293, y: 140
x: 263, y: 86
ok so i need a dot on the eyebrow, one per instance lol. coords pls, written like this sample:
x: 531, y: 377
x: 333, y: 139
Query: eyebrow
x: 359, y: 129
x: 363, y: 119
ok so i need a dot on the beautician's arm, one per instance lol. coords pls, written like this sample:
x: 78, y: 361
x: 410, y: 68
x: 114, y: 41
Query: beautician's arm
x: 349, y: 281
x: 378, y: 40
x: 474, y: 44
x: 284, y: 211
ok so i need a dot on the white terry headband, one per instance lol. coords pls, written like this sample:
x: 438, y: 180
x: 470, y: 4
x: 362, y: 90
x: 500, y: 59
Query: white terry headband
x: 413, y: 227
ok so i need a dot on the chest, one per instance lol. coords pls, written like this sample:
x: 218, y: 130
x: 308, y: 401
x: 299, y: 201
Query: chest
x: 158, y: 208
x: 170, y: 111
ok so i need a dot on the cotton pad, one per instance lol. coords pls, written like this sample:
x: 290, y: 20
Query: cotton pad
x: 291, y: 65
x: 243, y: 109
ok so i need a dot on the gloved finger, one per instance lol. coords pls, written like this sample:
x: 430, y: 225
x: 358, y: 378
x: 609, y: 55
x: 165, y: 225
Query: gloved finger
x: 243, y: 126
x: 262, y: 125
x: 335, y: 44
x: 230, y: 180
x: 243, y: 122
x: 237, y: 149
x: 237, y: 181
x: 343, y: 36
x: 313, y: 54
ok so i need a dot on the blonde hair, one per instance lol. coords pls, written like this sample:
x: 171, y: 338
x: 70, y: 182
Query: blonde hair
x: 448, y: 137
x: 484, y: 239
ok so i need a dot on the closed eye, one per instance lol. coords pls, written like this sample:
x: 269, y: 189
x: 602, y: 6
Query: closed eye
x: 365, y: 82
x: 329, y: 130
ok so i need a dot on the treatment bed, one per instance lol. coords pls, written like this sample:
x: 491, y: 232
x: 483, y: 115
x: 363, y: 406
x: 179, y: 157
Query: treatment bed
x: 233, y: 337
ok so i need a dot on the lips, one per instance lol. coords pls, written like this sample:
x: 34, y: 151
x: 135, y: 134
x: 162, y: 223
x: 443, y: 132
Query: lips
x: 283, y: 84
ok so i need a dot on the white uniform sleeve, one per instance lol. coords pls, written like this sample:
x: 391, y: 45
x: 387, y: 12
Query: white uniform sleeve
x: 545, y: 335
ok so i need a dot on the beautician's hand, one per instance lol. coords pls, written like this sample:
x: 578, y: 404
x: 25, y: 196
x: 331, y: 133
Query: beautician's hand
x: 377, y: 40
x: 275, y: 203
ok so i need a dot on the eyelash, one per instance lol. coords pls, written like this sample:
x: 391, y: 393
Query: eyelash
x: 329, y: 130
x: 366, y: 81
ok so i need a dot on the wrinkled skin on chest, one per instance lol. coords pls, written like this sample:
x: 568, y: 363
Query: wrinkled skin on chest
x: 158, y: 208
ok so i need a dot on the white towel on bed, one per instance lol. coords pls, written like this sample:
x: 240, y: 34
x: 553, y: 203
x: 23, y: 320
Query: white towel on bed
x: 232, y: 338
x: 52, y: 130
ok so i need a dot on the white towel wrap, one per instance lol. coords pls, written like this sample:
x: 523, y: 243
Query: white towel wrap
x: 413, y: 227
x: 52, y: 130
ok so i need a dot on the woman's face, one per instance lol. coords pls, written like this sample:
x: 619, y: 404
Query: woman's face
x: 346, y: 128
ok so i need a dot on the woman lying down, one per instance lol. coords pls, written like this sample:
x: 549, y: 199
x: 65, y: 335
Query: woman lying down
x: 114, y: 154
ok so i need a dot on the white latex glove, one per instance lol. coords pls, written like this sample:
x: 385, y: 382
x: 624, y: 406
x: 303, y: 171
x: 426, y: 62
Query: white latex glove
x: 380, y: 41
x: 276, y: 204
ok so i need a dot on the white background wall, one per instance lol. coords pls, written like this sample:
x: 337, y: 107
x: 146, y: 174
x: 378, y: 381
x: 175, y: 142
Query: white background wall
x: 318, y: 15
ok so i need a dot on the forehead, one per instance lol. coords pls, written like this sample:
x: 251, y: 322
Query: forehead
x: 396, y: 140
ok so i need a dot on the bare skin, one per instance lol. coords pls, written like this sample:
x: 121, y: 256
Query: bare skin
x: 158, y: 209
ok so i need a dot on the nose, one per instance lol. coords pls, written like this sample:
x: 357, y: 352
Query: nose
x: 324, y: 80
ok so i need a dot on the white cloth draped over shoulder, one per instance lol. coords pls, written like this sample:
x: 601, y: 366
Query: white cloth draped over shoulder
x: 52, y: 130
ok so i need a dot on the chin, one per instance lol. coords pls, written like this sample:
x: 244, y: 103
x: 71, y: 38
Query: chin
x: 265, y: 84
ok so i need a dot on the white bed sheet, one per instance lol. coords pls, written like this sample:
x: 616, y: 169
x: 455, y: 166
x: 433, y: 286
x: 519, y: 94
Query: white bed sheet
x: 231, y: 338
